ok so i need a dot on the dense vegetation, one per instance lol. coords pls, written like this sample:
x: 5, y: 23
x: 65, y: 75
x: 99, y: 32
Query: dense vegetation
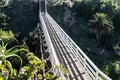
x: 21, y: 18
x: 94, y: 26
x: 19, y: 43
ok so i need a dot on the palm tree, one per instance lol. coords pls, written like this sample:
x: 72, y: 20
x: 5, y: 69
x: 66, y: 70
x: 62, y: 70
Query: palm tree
x: 100, y: 24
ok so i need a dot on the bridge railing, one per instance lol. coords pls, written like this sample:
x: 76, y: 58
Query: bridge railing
x: 89, y: 67
x: 51, y: 49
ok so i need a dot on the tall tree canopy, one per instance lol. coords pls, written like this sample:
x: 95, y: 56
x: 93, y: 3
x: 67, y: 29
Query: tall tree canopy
x: 100, y: 24
x: 54, y: 2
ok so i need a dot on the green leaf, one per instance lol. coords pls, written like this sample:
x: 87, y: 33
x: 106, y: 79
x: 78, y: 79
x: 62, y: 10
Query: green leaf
x: 15, y: 55
x: 39, y: 76
x: 9, y: 67
x: 50, y: 77
x: 14, y: 71
x: 2, y: 77
x: 9, y: 50
x: 2, y: 45
x: 16, y: 51
x: 4, y: 61
x: 65, y: 71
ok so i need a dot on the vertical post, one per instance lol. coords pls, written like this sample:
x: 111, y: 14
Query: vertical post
x: 97, y: 77
x: 84, y: 63
x: 43, y: 6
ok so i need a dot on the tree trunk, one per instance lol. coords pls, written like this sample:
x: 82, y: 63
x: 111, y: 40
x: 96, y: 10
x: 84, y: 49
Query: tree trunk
x: 98, y: 37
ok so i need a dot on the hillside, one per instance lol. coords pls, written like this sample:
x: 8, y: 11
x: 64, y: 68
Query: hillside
x: 92, y: 24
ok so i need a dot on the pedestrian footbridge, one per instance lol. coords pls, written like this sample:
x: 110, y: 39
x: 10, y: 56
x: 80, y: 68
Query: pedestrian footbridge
x: 63, y: 50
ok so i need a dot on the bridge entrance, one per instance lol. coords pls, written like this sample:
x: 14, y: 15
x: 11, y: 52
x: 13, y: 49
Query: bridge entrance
x: 43, y: 7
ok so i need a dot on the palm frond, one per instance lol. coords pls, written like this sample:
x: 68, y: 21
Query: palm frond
x: 15, y: 55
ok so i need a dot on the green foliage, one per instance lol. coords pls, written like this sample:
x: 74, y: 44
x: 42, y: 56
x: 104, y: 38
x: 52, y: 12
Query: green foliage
x: 55, y: 14
x: 33, y: 40
x: 7, y: 53
x: 108, y: 8
x: 6, y: 34
x: 50, y: 77
x: 117, y: 68
x: 34, y: 62
x: 113, y: 70
x: 53, y: 2
x: 39, y: 76
x: 3, y: 19
x: 101, y: 24
x: 22, y: 19
x: 117, y: 46
x: 2, y: 2
x: 34, y: 65
x: 86, y: 8
x: 63, y: 70
x: 3, y: 16
x: 106, y: 69
x: 101, y: 21
x: 32, y: 68
x: 116, y: 20
x: 2, y: 77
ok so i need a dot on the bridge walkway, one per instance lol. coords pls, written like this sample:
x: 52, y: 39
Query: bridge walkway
x: 66, y: 58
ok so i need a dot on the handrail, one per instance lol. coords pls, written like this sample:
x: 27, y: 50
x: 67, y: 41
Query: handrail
x: 49, y: 44
x: 89, y: 67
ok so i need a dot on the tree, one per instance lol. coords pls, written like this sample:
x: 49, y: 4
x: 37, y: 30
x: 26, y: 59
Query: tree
x: 86, y: 8
x: 100, y: 24
x: 116, y: 20
x: 54, y: 2
x: 3, y: 16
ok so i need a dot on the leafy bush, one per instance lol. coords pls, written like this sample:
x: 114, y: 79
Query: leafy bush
x: 86, y: 8
x: 33, y: 67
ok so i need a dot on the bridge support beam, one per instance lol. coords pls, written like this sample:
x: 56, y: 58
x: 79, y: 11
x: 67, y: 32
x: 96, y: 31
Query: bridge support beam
x: 42, y: 6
